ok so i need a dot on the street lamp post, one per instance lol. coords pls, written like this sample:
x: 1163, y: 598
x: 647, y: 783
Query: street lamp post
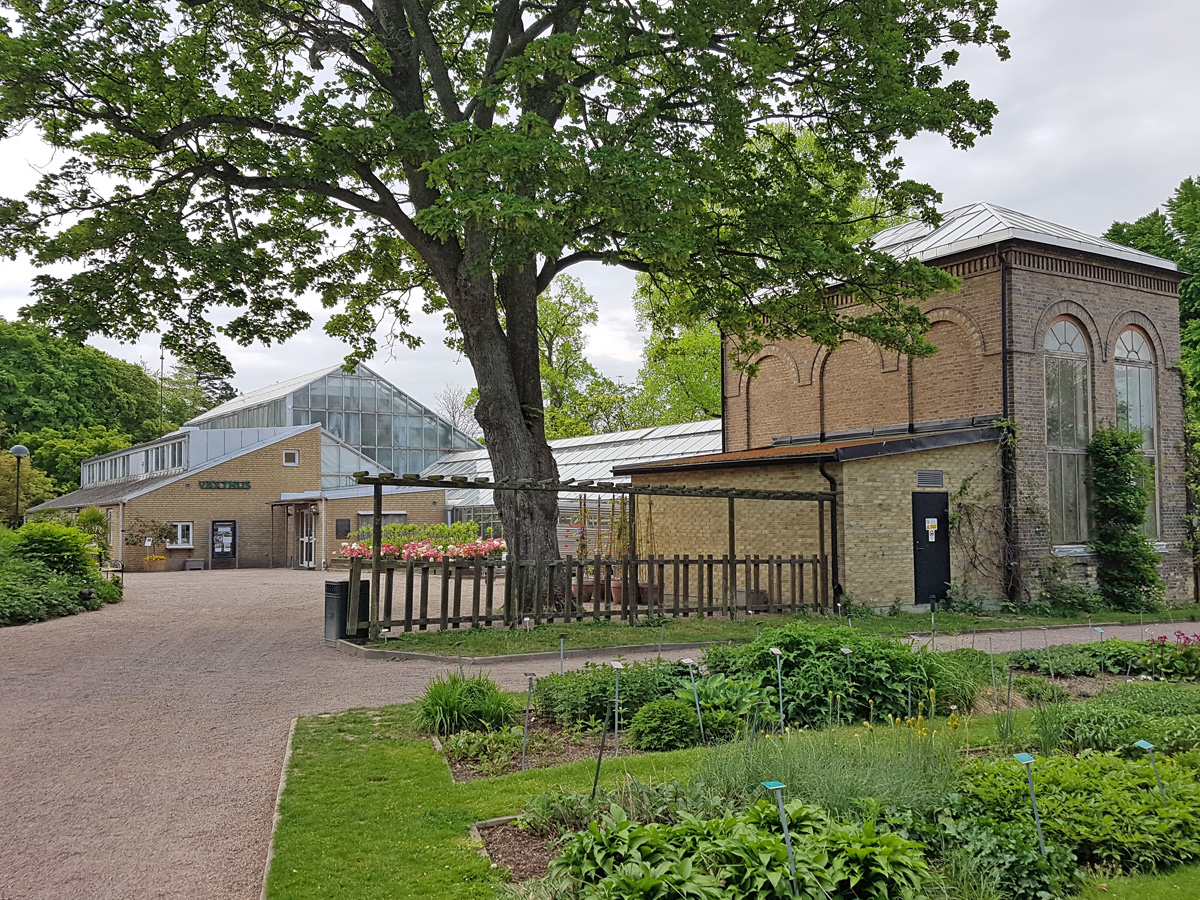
x: 20, y: 451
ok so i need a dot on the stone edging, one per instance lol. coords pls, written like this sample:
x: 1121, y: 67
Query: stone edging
x: 344, y: 646
x: 475, y: 836
x: 994, y: 631
x: 287, y: 758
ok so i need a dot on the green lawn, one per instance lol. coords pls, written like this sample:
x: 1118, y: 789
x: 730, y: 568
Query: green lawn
x: 370, y: 810
x: 590, y: 635
x: 1181, y: 884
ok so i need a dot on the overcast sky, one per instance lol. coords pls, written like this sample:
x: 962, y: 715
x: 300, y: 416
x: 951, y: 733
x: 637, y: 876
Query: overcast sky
x: 1097, y: 122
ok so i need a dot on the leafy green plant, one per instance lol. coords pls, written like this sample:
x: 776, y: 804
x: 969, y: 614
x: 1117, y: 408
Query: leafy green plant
x: 1039, y: 690
x: 586, y: 693
x: 60, y: 548
x: 486, y: 752
x: 1117, y: 656
x: 719, y: 691
x: 666, y: 802
x: 721, y: 725
x: 666, y: 724
x: 740, y: 856
x: 473, y: 703
x: 1061, y: 593
x: 1127, y: 565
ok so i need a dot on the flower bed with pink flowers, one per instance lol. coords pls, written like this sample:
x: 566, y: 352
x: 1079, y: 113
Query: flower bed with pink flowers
x: 427, y: 550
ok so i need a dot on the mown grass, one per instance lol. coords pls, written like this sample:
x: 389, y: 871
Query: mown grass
x: 1181, y: 884
x: 370, y: 810
x: 595, y: 635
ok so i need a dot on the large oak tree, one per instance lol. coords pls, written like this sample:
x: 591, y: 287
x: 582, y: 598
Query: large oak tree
x: 218, y: 159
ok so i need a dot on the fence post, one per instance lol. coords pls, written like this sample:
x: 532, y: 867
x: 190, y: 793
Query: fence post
x: 408, y: 594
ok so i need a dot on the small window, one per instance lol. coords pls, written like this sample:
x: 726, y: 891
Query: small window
x: 342, y: 529
x: 291, y: 457
x: 183, y: 535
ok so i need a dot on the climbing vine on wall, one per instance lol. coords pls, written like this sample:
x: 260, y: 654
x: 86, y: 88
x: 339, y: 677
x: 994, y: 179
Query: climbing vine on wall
x: 1127, y: 565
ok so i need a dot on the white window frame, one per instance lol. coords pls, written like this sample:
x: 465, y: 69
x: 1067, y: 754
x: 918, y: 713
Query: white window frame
x: 178, y: 543
x: 295, y: 457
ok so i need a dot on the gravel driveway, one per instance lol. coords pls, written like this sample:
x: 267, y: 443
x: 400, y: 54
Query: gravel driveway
x: 140, y: 745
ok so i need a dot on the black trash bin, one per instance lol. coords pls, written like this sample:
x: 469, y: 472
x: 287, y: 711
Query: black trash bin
x: 336, y: 610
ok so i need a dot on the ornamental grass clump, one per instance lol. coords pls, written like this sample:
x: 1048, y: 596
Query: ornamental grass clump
x: 472, y: 703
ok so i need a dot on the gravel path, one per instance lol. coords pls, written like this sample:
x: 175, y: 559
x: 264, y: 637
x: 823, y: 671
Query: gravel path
x: 140, y: 745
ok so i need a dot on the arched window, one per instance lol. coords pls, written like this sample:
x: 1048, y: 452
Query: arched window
x: 1136, y: 404
x: 1068, y: 429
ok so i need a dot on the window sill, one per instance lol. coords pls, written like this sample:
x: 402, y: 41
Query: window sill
x: 181, y: 547
x: 1071, y: 550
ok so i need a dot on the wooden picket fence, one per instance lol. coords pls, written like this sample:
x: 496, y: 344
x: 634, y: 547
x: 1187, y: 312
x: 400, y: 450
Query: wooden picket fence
x: 416, y: 595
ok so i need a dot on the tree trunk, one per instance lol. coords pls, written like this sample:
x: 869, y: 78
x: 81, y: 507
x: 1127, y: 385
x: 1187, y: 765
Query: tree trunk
x: 506, y: 367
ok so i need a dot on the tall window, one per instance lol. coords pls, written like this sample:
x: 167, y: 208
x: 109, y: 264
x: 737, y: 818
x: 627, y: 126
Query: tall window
x: 1136, y: 404
x: 1068, y: 428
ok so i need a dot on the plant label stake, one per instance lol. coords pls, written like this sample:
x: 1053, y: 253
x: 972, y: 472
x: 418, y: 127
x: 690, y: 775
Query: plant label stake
x: 1008, y: 705
x: 779, y: 680
x: 695, y: 696
x: 849, y: 620
x: 974, y: 631
x: 1021, y: 630
x: 460, y: 668
x: 1049, y: 658
x: 600, y: 757
x: 525, y: 732
x: 662, y: 631
x: 995, y: 693
x: 849, y: 674
x: 1103, y: 662
x: 562, y: 652
x: 932, y: 626
x: 777, y: 787
x: 1027, y: 761
x: 1149, y: 748
x: 618, y: 665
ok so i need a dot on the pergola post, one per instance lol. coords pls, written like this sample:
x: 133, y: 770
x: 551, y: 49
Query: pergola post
x: 376, y: 555
x: 733, y: 560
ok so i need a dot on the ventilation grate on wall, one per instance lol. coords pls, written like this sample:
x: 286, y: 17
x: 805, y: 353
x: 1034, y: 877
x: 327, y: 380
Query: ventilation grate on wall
x: 929, y: 478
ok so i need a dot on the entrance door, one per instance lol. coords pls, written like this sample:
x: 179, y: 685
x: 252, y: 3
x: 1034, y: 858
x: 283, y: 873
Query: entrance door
x: 931, y: 545
x: 307, y: 532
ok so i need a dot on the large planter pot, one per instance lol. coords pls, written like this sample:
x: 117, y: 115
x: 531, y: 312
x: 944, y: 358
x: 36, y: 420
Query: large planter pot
x: 584, y: 591
x: 648, y: 594
x: 154, y: 565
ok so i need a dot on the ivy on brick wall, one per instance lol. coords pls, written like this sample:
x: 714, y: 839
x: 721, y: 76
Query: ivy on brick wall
x: 1127, y: 565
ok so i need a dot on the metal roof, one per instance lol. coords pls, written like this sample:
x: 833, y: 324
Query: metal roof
x: 589, y: 458
x: 980, y: 224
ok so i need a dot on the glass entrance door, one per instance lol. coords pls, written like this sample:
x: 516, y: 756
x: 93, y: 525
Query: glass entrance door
x: 307, y: 532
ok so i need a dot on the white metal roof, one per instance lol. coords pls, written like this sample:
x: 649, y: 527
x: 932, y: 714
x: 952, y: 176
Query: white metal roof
x: 591, y: 457
x: 980, y: 224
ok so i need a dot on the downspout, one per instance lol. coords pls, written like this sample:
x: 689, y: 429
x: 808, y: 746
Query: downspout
x: 724, y: 417
x: 833, y: 534
x: 1008, y: 471
x: 121, y: 533
x: 324, y: 521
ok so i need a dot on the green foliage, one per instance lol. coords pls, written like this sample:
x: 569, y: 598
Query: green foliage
x: 1060, y: 593
x: 439, y: 534
x: 1039, y: 690
x: 718, y: 691
x: 36, y: 487
x: 666, y: 802
x: 60, y: 548
x: 734, y: 857
x: 586, y: 693
x: 1105, y: 809
x: 485, y: 752
x: 1168, y: 718
x: 1179, y: 661
x: 48, y: 382
x: 59, y: 453
x: 666, y: 724
x: 721, y: 725
x: 822, y: 685
x: 474, y: 703
x: 836, y: 770
x: 1127, y: 565
x: 1118, y: 656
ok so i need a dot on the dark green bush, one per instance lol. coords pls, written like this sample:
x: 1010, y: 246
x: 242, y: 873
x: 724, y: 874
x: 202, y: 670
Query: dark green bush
x: 585, y: 693
x: 721, y: 725
x: 60, y: 548
x: 31, y: 592
x: 822, y: 685
x: 666, y: 724
x: 1118, y: 656
x: 473, y: 703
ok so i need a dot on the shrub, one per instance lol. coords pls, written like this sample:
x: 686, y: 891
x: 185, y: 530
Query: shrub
x: 60, y: 548
x: 721, y: 725
x: 1105, y: 809
x: 1126, y: 563
x: 31, y: 592
x: 666, y: 724
x: 739, y: 856
x: 822, y: 685
x: 473, y: 703
x: 584, y: 694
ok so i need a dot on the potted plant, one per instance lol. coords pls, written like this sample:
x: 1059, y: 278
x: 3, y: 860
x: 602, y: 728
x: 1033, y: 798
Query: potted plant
x: 150, y: 534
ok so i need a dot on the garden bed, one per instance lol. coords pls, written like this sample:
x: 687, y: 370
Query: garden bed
x: 524, y: 854
x: 549, y: 745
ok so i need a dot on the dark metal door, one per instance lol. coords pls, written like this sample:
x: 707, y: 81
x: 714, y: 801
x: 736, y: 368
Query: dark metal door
x: 931, y: 545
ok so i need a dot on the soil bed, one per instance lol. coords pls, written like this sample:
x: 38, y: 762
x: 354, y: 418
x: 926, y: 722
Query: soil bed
x: 549, y: 745
x: 525, y: 854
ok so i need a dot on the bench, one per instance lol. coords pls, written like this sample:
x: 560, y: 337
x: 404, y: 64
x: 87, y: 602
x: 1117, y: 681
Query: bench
x: 193, y: 565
